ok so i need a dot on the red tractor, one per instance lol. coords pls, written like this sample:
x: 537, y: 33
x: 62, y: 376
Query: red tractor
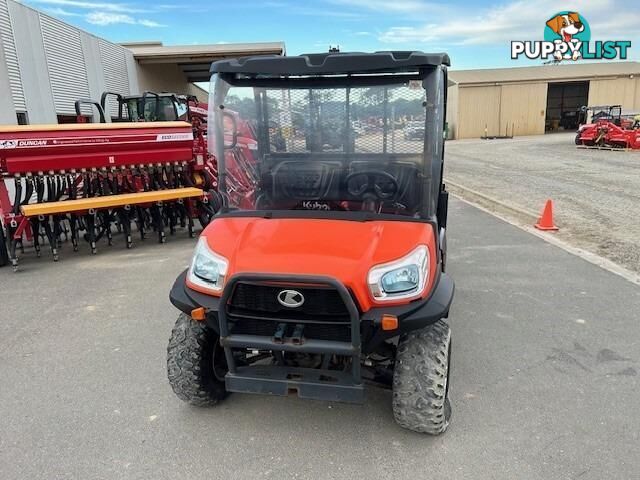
x: 607, y: 128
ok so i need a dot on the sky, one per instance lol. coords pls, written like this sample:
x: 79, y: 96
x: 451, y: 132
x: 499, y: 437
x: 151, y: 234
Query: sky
x: 475, y: 33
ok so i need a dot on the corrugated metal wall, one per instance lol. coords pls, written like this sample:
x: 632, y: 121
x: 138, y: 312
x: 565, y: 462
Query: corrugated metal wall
x: 522, y: 109
x: 7, y: 110
x: 478, y: 108
x: 452, y: 111
x: 27, y: 35
x: 11, y: 57
x: 65, y: 63
x: 114, y: 68
x: 517, y: 109
x: 48, y: 65
x: 623, y: 91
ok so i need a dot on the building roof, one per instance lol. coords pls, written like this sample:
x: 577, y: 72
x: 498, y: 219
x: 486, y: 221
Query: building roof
x: 568, y: 72
x: 195, y: 60
x: 333, y: 62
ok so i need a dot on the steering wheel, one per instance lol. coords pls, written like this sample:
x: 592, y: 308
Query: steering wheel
x: 372, y: 183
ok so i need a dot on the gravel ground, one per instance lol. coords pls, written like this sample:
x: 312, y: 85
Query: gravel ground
x: 596, y: 193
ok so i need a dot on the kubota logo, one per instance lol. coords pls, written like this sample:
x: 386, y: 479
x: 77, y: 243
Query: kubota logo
x: 290, y: 298
x: 567, y: 36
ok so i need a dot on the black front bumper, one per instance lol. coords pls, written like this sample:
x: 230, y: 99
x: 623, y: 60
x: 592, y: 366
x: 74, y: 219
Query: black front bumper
x: 415, y: 315
x: 366, y: 335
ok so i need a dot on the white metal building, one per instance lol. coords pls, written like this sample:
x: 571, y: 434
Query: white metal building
x: 532, y: 100
x: 46, y: 65
x: 49, y: 64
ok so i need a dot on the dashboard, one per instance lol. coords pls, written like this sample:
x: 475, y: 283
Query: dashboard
x: 329, y: 184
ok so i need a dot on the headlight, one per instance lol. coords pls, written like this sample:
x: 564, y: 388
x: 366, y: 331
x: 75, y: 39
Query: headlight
x: 208, y: 269
x: 402, y: 278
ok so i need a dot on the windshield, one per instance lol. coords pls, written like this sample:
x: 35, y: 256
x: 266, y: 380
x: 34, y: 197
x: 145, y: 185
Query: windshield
x: 311, y: 147
x: 152, y: 109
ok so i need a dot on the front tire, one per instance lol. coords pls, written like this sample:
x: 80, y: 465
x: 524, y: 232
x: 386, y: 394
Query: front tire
x: 194, y: 363
x: 4, y: 254
x: 421, y: 380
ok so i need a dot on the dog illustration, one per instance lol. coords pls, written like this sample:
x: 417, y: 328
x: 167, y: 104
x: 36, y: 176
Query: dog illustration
x: 566, y: 26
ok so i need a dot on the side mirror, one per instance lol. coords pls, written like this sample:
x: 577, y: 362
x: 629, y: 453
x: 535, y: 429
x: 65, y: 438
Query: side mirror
x: 230, y: 130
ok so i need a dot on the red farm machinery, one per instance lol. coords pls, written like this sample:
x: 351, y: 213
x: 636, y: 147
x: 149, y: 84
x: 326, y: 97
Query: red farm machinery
x: 147, y: 171
x: 606, y: 127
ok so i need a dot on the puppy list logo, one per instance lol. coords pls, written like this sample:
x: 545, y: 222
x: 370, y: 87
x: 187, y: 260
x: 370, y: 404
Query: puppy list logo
x: 567, y: 36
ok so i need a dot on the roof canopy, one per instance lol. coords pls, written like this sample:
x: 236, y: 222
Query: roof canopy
x: 195, y: 60
x: 330, y: 63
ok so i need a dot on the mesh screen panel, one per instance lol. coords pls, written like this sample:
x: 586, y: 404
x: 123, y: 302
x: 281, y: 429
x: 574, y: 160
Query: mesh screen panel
x: 357, y: 120
x: 340, y: 149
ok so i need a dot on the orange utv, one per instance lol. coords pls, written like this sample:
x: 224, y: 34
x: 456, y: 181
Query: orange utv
x: 329, y: 273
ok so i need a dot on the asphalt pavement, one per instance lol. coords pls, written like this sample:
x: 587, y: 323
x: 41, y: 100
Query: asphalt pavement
x: 544, y: 377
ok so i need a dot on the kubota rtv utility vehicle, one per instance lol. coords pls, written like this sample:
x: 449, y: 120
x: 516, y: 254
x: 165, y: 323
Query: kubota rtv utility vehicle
x: 330, y: 272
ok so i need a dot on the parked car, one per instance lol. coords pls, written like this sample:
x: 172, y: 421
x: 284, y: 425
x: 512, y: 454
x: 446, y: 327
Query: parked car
x: 414, y: 130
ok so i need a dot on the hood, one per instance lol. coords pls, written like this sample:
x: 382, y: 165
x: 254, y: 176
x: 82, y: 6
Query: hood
x: 345, y: 250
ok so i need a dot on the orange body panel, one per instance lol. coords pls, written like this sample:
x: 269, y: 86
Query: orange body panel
x: 345, y: 250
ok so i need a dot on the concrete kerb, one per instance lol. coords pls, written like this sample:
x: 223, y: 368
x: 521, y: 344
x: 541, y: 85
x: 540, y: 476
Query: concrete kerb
x: 524, y: 220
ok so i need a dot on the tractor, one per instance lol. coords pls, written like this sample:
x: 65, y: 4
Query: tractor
x: 608, y: 128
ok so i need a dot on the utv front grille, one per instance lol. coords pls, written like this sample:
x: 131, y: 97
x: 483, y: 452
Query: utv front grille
x: 320, y: 303
x: 254, y: 309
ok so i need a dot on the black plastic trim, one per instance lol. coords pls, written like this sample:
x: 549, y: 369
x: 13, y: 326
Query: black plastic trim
x: 330, y: 63
x: 327, y: 385
x: 358, y: 216
x: 186, y: 299
x: 309, y: 346
x: 412, y: 316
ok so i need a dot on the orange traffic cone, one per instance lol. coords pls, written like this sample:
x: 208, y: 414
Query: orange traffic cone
x: 545, y: 222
